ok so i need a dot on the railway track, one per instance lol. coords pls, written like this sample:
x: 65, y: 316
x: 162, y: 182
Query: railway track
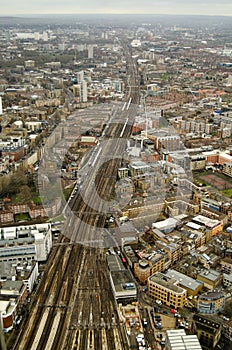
x: 75, y: 307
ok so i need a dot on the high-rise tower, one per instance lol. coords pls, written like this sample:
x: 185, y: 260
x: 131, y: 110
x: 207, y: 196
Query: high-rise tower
x: 83, y: 91
x: 0, y: 105
x: 90, y: 51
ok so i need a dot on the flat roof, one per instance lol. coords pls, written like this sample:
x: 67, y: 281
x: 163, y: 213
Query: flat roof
x: 123, y: 284
x: 184, y: 280
x: 211, y: 275
x: 167, y: 282
x: 212, y: 295
x: 12, y: 285
x: 4, y: 305
x: 179, y: 340
x: 139, y: 164
x: 114, y: 263
x: 206, y: 221
x: 165, y: 223
x: 193, y: 225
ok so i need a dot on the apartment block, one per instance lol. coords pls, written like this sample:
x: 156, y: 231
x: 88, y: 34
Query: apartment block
x: 208, y: 332
x: 145, y: 268
x: 167, y: 290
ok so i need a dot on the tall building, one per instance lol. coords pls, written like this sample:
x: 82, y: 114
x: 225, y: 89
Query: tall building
x: 176, y: 339
x: 80, y: 76
x: 83, y: 91
x: 45, y: 36
x: 90, y: 51
x: 0, y: 105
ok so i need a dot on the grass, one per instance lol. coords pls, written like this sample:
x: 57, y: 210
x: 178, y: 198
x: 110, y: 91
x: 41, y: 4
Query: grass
x: 37, y: 200
x: 22, y: 217
x: 67, y: 192
x: 228, y: 192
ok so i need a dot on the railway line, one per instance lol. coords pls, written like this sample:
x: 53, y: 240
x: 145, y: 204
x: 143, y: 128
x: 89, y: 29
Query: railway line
x: 74, y: 307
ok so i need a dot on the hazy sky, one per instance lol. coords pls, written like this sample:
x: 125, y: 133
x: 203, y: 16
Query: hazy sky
x: 200, y: 7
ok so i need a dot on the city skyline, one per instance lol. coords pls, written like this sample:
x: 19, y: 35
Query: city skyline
x: 175, y: 7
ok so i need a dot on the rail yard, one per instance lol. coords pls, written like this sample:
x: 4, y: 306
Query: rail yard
x: 74, y: 307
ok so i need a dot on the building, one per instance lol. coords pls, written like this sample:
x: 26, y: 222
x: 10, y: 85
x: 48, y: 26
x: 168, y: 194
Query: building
x: 138, y: 168
x: 131, y: 257
x: 211, y: 302
x: 226, y: 265
x: 211, y: 278
x: 214, y: 226
x: 90, y: 51
x: 0, y: 105
x: 227, y: 169
x: 167, y: 290
x: 166, y: 226
x: 25, y: 271
x: 29, y: 64
x: 83, y: 91
x: 167, y: 141
x: 227, y: 330
x: 192, y: 286
x: 147, y: 267
x: 123, y: 172
x: 18, y: 243
x: 176, y: 339
x: 80, y: 76
x: 122, y: 282
x: 227, y: 280
x: 6, y: 216
x: 210, y: 204
x: 12, y: 296
x: 197, y: 162
x: 172, y: 250
x: 208, y: 332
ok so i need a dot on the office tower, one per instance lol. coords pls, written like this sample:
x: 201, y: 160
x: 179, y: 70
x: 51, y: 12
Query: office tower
x: 45, y: 36
x: 83, y: 91
x: 37, y: 36
x: 0, y: 105
x: 80, y: 76
x: 90, y: 51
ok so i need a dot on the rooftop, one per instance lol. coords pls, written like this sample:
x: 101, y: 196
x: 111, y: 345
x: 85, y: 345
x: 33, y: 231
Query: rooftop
x: 178, y: 340
x: 184, y: 280
x: 123, y: 284
x: 114, y: 263
x: 211, y: 275
x: 212, y: 296
x: 167, y: 282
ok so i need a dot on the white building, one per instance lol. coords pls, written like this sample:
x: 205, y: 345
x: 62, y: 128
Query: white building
x: 0, y: 105
x: 176, y: 339
x: 20, y: 243
x: 80, y: 76
x: 90, y: 51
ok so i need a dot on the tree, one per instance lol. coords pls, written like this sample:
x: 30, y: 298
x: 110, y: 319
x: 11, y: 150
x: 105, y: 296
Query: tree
x: 25, y: 195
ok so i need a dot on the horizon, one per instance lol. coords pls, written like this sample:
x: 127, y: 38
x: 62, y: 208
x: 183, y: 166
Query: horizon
x: 121, y: 7
x: 114, y: 14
